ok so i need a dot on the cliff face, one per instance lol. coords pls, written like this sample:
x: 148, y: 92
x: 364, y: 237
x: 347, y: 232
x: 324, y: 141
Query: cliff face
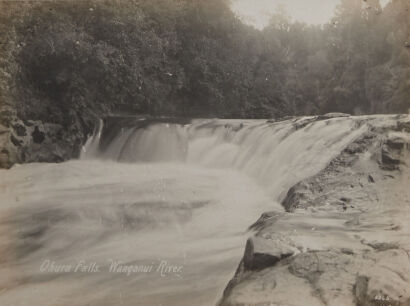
x: 344, y: 237
x: 37, y: 141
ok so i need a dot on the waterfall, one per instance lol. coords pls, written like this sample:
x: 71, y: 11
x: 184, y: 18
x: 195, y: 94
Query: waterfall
x: 146, y: 191
x: 90, y: 148
x: 276, y: 154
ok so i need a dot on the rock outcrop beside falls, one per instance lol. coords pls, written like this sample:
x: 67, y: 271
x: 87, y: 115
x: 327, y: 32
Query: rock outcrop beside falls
x: 344, y: 238
x: 25, y: 141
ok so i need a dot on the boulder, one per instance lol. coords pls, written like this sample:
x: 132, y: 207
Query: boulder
x: 261, y: 253
x: 392, y: 150
x: 297, y: 197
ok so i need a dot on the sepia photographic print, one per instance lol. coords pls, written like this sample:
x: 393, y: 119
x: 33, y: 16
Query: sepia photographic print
x: 205, y: 152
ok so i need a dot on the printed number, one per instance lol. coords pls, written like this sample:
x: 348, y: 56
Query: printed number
x: 381, y: 298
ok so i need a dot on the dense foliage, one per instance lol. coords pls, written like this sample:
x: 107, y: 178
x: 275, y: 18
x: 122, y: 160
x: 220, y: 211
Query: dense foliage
x: 196, y: 58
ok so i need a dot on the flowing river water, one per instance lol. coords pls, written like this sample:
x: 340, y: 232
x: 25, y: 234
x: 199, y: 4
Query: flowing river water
x: 152, y: 213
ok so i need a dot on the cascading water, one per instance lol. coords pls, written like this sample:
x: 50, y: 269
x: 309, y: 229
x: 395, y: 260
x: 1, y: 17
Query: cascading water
x: 277, y: 155
x: 174, y: 197
x: 92, y: 143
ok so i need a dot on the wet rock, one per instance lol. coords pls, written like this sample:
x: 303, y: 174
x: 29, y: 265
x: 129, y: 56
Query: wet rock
x: 301, y: 123
x: 261, y: 253
x: 396, y: 228
x: 266, y: 219
x: 15, y: 141
x: 360, y: 289
x: 333, y: 115
x: 306, y: 265
x: 392, y: 150
x: 346, y: 200
x: 347, y: 251
x: 298, y: 196
x: 36, y: 141
x: 354, y: 148
x: 38, y: 136
x: 396, y: 144
x: 382, y: 246
x: 389, y: 158
x: 20, y: 130
x: 403, y: 126
x: 28, y: 123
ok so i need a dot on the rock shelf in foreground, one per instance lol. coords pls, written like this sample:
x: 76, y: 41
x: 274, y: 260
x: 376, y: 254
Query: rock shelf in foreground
x: 344, y: 238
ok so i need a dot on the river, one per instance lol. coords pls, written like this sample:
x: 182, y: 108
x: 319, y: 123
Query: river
x: 154, y: 213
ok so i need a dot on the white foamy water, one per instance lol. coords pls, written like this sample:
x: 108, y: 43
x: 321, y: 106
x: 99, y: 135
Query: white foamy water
x: 172, y: 201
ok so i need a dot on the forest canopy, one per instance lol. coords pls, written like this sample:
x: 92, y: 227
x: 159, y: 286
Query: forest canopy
x: 195, y: 58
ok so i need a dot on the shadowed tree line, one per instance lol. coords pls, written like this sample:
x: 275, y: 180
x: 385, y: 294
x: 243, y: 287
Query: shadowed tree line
x: 195, y: 58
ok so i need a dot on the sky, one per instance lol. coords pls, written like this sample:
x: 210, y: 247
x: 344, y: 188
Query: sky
x: 258, y: 12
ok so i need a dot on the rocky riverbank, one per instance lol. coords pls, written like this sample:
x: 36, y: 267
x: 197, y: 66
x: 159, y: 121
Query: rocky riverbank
x: 344, y: 238
x: 25, y: 141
